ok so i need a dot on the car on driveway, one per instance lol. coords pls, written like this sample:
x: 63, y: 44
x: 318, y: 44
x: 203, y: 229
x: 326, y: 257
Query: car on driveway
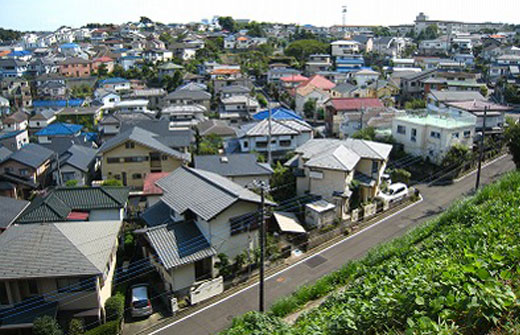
x: 394, y: 192
x: 141, y: 306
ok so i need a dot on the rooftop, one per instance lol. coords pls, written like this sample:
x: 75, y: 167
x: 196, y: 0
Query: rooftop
x: 435, y: 121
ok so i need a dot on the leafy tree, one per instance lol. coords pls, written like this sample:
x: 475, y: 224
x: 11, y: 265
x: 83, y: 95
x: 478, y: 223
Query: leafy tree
x: 261, y: 100
x: 255, y: 29
x: 456, y: 157
x: 429, y: 33
x: 368, y: 134
x: 210, y: 145
x: 145, y: 20
x: 81, y: 92
x: 309, y: 108
x: 302, y: 49
x: 227, y: 23
x: 415, y: 104
x: 283, y: 183
x: 409, y: 50
x: 8, y: 35
x: 112, y: 182
x: 223, y: 265
x: 102, y: 70
x: 511, y: 94
x: 381, y: 31
x: 400, y: 176
x: 512, y: 134
x: 166, y: 38
x: 76, y: 327
x: 46, y: 325
x: 484, y: 90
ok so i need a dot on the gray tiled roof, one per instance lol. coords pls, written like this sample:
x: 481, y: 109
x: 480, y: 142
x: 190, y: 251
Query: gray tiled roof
x: 57, y: 249
x: 338, y: 158
x: 209, y: 193
x: 157, y: 215
x: 179, y: 243
x: 79, y: 157
x: 451, y: 96
x: 32, y: 155
x: 233, y: 165
x: 145, y: 138
x: 188, y: 94
x: 10, y: 209
x: 4, y: 153
x: 279, y: 127
x: 178, y: 138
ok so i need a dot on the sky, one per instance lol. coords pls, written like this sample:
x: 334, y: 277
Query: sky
x: 50, y: 14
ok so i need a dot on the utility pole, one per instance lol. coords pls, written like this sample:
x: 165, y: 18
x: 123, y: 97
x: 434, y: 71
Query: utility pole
x: 481, y: 153
x: 262, y: 248
x: 269, y: 155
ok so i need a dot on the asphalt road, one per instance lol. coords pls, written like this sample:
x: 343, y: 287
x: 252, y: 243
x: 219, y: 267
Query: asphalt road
x: 218, y: 316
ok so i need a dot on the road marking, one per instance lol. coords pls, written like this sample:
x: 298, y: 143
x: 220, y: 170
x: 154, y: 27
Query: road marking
x: 287, y: 268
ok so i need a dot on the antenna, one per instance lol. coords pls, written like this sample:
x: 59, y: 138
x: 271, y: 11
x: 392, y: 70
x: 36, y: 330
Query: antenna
x: 344, y: 14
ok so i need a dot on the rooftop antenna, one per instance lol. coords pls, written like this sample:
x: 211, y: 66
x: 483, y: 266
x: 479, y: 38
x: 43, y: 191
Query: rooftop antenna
x: 344, y: 14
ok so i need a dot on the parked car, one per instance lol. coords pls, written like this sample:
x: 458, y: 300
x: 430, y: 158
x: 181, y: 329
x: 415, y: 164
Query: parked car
x: 394, y: 192
x: 141, y: 306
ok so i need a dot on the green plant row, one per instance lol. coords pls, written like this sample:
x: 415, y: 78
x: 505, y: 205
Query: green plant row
x: 457, y: 274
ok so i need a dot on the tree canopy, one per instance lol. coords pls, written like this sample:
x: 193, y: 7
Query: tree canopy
x: 302, y: 49
x: 227, y: 23
x: 8, y: 35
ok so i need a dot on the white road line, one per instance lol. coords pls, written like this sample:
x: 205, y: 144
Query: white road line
x: 288, y: 268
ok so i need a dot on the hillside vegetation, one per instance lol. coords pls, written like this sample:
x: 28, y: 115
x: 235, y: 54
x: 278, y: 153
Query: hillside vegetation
x: 457, y: 274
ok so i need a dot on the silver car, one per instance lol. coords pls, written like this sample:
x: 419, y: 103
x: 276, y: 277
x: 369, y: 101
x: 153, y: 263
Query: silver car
x: 141, y: 306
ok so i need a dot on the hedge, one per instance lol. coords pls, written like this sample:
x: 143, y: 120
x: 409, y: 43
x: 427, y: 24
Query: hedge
x: 109, y: 328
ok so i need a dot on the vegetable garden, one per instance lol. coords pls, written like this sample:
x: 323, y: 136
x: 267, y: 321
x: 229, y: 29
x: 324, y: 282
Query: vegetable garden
x: 457, y: 274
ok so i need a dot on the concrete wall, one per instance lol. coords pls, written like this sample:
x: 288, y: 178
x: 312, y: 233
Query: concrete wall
x: 183, y: 277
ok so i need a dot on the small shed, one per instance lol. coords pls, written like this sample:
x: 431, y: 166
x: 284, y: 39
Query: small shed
x: 319, y: 213
x: 288, y: 223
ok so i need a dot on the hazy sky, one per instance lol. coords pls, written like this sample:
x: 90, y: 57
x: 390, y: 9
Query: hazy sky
x: 50, y: 14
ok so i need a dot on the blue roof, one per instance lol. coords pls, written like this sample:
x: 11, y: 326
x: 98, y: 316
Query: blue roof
x: 60, y: 128
x: 116, y: 80
x: 69, y: 46
x: 58, y: 103
x: 19, y: 53
x: 90, y: 136
x: 130, y: 57
x: 349, y: 61
x: 279, y: 113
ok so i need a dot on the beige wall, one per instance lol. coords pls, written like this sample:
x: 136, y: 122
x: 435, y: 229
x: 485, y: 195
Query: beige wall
x: 183, y: 276
x: 332, y: 181
x: 109, y: 171
x: 105, y: 288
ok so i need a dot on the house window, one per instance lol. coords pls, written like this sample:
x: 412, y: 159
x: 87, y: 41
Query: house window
x: 455, y: 135
x: 435, y: 134
x: 137, y: 176
x: 8, y: 170
x: 246, y: 144
x: 467, y: 134
x: 23, y: 172
x: 375, y: 167
x: 113, y: 160
x: 285, y: 143
x: 137, y: 159
x: 244, y: 223
x: 262, y: 144
x: 401, y: 130
x: 413, y: 136
x: 130, y: 145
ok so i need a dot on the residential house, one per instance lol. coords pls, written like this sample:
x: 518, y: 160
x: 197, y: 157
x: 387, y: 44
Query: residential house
x: 439, y: 99
x: 432, y: 135
x: 65, y: 204
x: 317, y: 63
x: 16, y: 121
x: 31, y: 283
x: 12, y: 68
x: 169, y: 69
x: 151, y: 191
x: 439, y: 46
x: 412, y: 85
x: 107, y: 99
x: 242, y: 169
x: 78, y: 163
x: 292, y: 81
x: 76, y: 67
x: 286, y: 135
x: 132, y: 107
x: 157, y: 55
x: 274, y: 75
x: 317, y: 88
x: 14, y: 140
x: 188, y: 97
x: 183, y: 115
x: 17, y: 90
x: 154, y: 96
x: 105, y: 61
x: 344, y: 116
x: 365, y: 77
x: 234, y: 90
x: 229, y: 226
x: 11, y: 210
x: 132, y: 154
x: 4, y: 106
x: 237, y: 107
x: 328, y: 167
x: 345, y: 47
x: 349, y: 63
x: 91, y: 114
x: 115, y: 84
x: 58, y: 129
x: 32, y: 162
x: 42, y: 119
x: 110, y: 125
x: 494, y: 113
x: 222, y: 129
x: 52, y: 89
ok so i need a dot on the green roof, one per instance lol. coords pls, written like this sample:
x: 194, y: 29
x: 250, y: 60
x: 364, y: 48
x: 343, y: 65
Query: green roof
x: 59, y: 203
x: 434, y: 121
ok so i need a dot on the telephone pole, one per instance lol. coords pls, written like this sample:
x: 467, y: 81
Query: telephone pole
x: 269, y: 154
x: 262, y: 247
x: 481, y: 153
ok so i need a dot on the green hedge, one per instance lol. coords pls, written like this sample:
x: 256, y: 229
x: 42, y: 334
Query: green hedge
x: 109, y: 328
x: 115, y: 307
x: 457, y: 274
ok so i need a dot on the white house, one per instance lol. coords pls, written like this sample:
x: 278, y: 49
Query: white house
x: 345, y: 47
x: 432, y: 135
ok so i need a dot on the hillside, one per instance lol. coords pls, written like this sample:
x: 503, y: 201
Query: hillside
x: 457, y: 274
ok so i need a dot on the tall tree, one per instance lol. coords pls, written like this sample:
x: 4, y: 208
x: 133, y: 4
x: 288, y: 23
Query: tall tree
x: 302, y: 49
x: 227, y: 23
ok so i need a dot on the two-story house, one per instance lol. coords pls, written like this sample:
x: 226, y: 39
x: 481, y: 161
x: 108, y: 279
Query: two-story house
x: 32, y: 162
x: 76, y: 67
x: 132, y: 154
x: 431, y: 136
x: 188, y: 229
x: 327, y: 167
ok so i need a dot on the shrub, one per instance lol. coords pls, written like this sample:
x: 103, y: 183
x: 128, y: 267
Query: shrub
x: 71, y: 183
x: 46, y: 325
x: 400, y: 176
x: 115, y: 307
x: 76, y: 327
x: 112, y: 182
x: 109, y: 328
